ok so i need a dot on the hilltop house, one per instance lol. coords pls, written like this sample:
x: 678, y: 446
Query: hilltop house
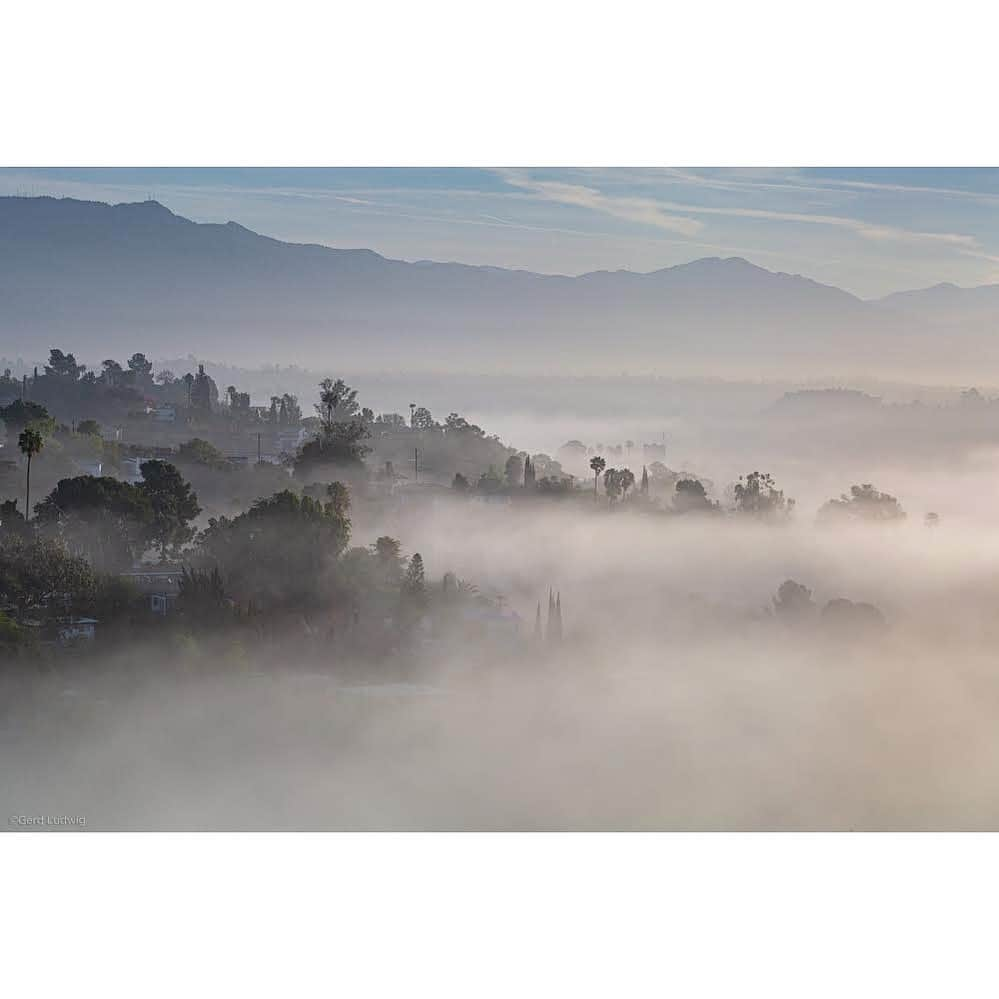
x: 160, y: 585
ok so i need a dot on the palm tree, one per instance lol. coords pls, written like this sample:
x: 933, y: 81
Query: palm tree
x: 30, y: 442
x: 329, y: 399
x: 598, y: 465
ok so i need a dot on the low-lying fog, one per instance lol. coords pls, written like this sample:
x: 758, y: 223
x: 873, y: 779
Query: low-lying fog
x: 677, y: 700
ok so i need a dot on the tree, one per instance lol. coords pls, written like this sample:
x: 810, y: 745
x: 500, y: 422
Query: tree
x: 460, y: 484
x: 340, y: 446
x: 12, y: 520
x: 90, y: 428
x: 758, y: 496
x: 414, y: 590
x: 391, y: 421
x: 847, y: 619
x: 63, y: 366
x: 38, y: 576
x: 514, y: 471
x: 105, y: 519
x: 389, y: 560
x: 30, y: 442
x: 111, y: 373
x: 455, y: 424
x: 21, y: 413
x: 202, y: 598
x: 626, y: 479
x: 530, y: 476
x: 573, y: 449
x: 864, y: 503
x: 338, y: 496
x: 204, y: 392
x: 172, y: 502
x: 201, y: 452
x: 422, y: 419
x: 337, y: 401
x: 597, y: 464
x: 280, y: 552
x: 690, y: 497
x: 142, y: 370
x: 793, y: 602
x: 612, y: 484
x: 290, y: 407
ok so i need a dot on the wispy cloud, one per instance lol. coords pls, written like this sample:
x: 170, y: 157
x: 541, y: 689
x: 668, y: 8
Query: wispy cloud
x: 646, y: 211
x: 652, y: 211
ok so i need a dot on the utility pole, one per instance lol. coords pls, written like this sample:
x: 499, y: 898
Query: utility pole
x: 416, y: 463
x: 258, y: 448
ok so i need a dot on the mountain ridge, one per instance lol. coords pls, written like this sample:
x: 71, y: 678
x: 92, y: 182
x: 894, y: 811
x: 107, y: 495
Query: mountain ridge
x: 121, y: 275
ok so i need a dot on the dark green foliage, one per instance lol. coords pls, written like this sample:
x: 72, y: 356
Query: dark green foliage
x: 281, y: 552
x: 63, y: 366
x: 105, y: 519
x: 202, y: 597
x: 39, y: 578
x: 89, y: 428
x: 20, y: 414
x: 172, y: 505
x: 141, y: 370
x: 339, y: 447
x: 201, y: 452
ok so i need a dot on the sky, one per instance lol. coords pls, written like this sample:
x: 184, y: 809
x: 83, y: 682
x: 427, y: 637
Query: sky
x: 869, y: 231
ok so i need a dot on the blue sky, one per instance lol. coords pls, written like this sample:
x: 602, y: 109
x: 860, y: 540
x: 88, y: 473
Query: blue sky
x: 871, y: 231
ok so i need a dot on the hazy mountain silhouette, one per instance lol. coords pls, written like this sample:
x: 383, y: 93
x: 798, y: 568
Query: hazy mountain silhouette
x: 105, y: 279
x: 948, y: 303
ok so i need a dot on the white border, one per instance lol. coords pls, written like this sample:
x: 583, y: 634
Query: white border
x: 527, y: 82
x: 485, y: 915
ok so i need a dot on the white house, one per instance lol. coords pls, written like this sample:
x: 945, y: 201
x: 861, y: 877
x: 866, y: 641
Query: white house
x: 159, y: 586
x: 77, y: 629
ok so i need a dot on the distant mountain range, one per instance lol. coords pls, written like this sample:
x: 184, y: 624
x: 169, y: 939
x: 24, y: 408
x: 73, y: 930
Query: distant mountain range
x: 949, y: 304
x: 102, y: 280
